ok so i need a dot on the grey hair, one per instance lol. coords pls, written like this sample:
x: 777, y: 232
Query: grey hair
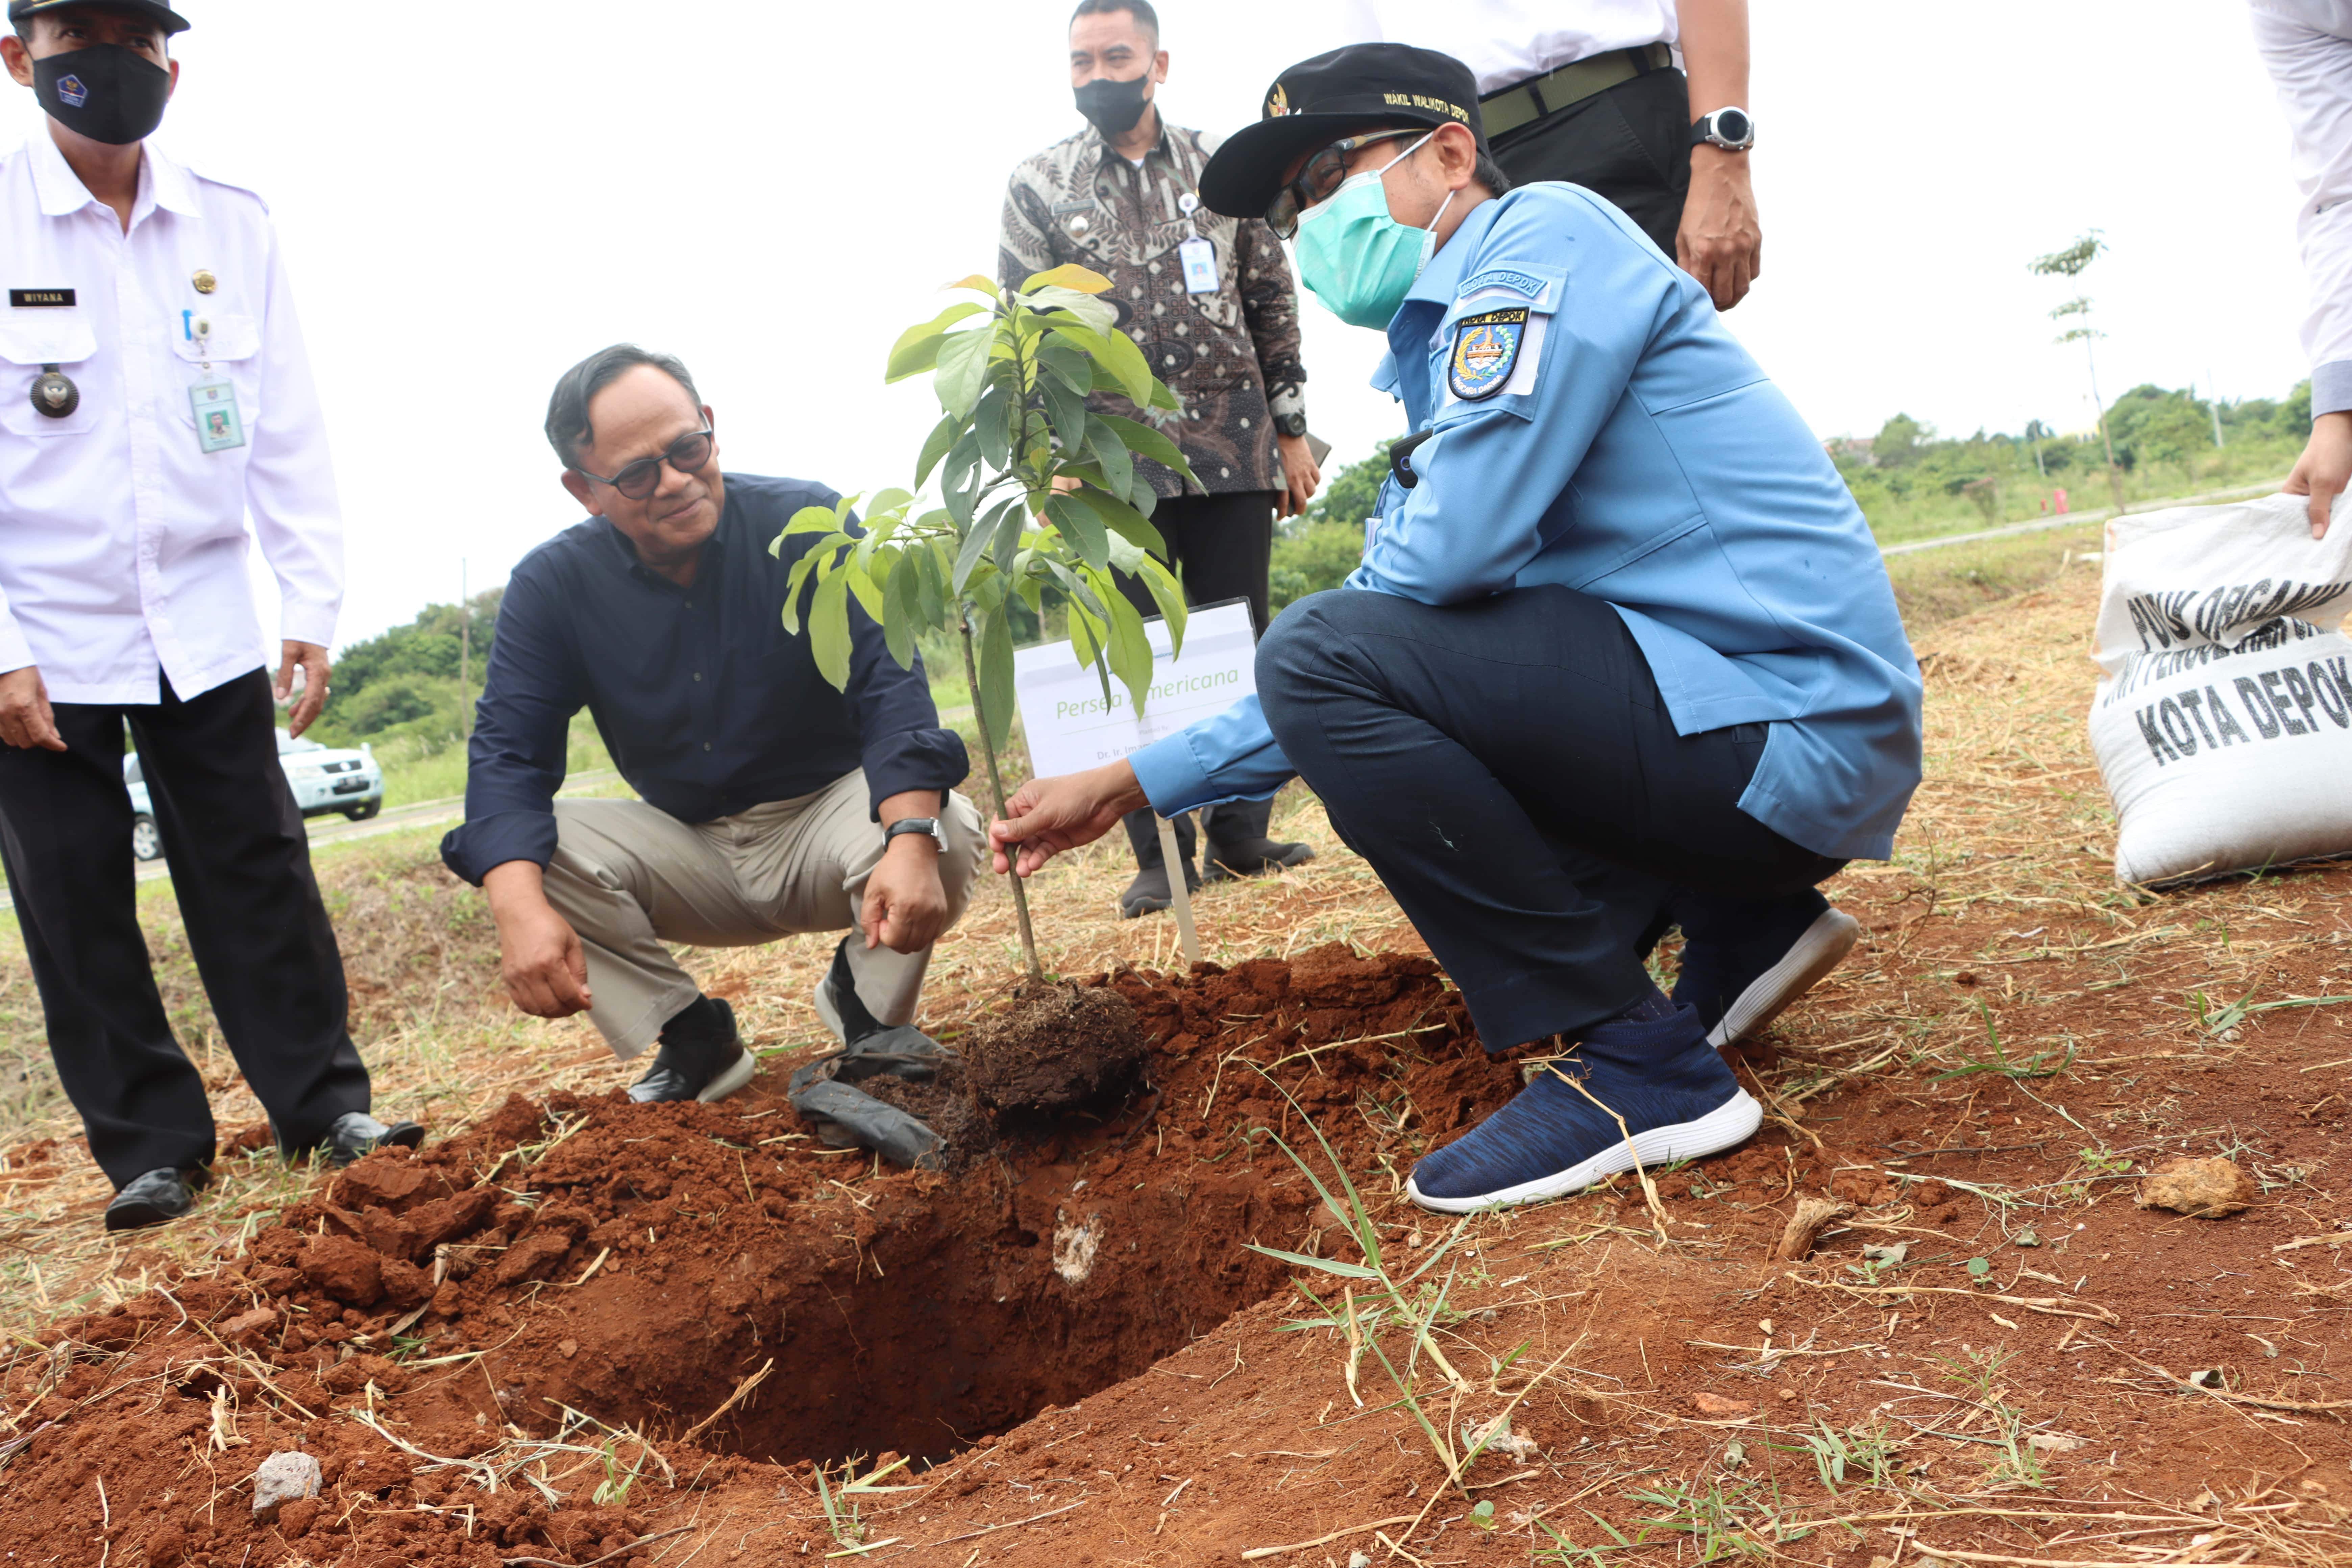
x: 568, y: 426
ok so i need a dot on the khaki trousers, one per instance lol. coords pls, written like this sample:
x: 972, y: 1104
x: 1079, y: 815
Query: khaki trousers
x: 629, y: 877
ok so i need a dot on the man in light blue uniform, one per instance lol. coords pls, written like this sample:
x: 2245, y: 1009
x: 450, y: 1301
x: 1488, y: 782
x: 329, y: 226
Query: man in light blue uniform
x: 1620, y: 641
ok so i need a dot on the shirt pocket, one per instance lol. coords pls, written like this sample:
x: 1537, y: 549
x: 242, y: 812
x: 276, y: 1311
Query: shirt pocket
x: 233, y: 350
x: 62, y: 338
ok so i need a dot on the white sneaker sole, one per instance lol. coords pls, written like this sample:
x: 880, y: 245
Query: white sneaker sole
x: 1732, y: 1123
x: 1823, y: 947
x: 827, y: 1013
x: 732, y: 1080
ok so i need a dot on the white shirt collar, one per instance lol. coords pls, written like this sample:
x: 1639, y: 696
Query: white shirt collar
x: 161, y: 181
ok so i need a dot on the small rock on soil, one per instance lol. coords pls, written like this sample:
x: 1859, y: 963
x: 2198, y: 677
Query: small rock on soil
x: 2209, y: 1188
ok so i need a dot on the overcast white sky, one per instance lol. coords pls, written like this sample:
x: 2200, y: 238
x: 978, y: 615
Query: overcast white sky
x: 472, y: 199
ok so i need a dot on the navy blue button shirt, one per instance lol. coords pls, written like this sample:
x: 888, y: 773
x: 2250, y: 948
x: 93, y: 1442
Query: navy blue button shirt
x: 707, y: 705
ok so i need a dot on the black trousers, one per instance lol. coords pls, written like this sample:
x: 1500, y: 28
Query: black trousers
x: 1509, y: 769
x: 241, y: 867
x: 1630, y: 144
x: 1223, y: 547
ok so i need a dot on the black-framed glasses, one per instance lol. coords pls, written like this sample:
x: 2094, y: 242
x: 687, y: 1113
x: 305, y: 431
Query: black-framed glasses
x: 1325, y: 172
x: 689, y: 454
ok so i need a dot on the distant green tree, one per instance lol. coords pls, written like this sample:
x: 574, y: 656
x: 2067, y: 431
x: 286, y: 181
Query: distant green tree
x: 1897, y: 441
x: 2069, y: 263
x: 1349, y: 495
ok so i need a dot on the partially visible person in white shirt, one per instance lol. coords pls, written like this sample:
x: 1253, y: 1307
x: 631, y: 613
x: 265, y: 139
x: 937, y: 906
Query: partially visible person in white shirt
x: 154, y: 395
x: 2307, y: 45
x: 1587, y: 91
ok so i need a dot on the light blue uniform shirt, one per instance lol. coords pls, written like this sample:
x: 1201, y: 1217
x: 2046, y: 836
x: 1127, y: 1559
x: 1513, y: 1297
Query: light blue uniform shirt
x: 1635, y: 453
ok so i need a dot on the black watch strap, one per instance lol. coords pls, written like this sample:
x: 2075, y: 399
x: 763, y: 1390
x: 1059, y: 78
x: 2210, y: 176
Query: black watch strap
x: 927, y: 825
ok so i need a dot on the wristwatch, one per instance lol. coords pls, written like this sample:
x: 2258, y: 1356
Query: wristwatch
x: 926, y: 825
x: 1290, y: 423
x: 1733, y: 130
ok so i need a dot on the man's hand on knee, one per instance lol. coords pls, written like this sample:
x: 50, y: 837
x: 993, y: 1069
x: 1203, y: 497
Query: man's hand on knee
x: 906, y: 906
x: 544, y: 966
x: 1048, y: 815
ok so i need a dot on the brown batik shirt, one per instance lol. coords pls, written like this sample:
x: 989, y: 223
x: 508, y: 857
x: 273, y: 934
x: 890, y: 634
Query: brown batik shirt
x: 1231, y: 357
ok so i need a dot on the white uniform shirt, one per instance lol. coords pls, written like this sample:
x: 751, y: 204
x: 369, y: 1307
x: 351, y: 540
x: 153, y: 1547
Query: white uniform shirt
x: 2307, y: 44
x: 1507, y: 41
x: 122, y: 543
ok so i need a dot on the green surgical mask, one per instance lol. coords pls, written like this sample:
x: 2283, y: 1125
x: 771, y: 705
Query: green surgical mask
x: 1356, y: 258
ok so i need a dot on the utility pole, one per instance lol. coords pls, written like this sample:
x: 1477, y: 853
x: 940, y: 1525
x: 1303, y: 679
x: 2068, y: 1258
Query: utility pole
x: 464, y: 654
x: 2213, y: 406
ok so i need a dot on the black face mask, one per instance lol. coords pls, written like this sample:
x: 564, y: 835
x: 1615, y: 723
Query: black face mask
x: 105, y: 92
x: 1114, y: 106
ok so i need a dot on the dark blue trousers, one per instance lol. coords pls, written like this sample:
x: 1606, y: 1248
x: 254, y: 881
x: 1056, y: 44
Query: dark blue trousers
x: 1510, y: 770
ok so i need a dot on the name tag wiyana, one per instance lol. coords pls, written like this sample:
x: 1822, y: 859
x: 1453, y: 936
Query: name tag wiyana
x: 40, y: 299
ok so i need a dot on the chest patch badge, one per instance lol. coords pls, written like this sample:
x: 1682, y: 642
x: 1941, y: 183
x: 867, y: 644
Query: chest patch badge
x: 1485, y: 351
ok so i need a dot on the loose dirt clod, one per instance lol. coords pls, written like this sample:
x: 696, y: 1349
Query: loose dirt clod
x: 2207, y: 1188
x: 1060, y: 1045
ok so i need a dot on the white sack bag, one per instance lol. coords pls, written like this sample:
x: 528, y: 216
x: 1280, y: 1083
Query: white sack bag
x: 2223, y: 719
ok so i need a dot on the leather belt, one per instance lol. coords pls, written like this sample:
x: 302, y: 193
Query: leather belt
x: 1524, y: 104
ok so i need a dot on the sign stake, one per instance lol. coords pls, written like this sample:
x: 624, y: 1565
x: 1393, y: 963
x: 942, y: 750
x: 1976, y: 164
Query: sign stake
x: 1177, y: 890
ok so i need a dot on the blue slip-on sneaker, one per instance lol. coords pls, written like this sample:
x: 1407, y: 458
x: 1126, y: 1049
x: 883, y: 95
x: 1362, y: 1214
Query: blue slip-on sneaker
x: 1745, y: 963
x: 1677, y: 1099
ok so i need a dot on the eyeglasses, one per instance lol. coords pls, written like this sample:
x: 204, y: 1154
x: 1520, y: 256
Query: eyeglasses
x: 1324, y: 174
x: 689, y: 454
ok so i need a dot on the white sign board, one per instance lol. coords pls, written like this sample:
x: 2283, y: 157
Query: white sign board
x: 1070, y: 729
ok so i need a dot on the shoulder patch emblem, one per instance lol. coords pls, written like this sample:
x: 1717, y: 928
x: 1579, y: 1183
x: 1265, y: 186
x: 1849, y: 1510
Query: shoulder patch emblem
x: 1486, y: 350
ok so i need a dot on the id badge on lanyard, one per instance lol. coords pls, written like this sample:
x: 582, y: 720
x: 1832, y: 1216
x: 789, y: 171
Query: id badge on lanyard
x: 1199, y: 256
x: 212, y: 396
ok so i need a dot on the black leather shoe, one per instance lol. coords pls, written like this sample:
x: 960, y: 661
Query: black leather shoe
x: 155, y: 1198
x: 696, y: 1068
x: 355, y: 1133
x: 1149, y: 892
x: 1253, y: 857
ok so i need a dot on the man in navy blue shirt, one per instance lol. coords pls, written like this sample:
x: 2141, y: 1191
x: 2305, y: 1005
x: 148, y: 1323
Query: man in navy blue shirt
x: 772, y: 803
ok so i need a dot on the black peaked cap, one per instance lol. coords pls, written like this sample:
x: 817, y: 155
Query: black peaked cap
x: 155, y: 11
x: 1326, y: 97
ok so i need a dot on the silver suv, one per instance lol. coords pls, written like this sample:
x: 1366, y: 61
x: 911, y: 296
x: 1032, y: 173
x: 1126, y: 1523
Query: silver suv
x: 324, y: 780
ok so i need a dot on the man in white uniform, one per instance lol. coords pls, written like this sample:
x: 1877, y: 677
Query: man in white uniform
x: 2307, y: 44
x: 154, y: 391
x: 1587, y: 92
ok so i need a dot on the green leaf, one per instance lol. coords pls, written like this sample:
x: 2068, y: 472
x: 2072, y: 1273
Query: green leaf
x: 943, y: 436
x: 974, y: 281
x: 995, y: 693
x: 1169, y: 594
x: 1980, y: 1267
x: 1067, y: 410
x: 992, y: 421
x: 1096, y: 315
x: 812, y: 520
x: 1345, y: 1271
x: 1130, y: 650
x: 1113, y: 352
x: 1074, y: 371
x: 1086, y: 635
x: 861, y: 583
x: 1069, y: 275
x: 917, y: 348
x: 879, y: 511
x: 1145, y: 442
x: 902, y: 606
x: 1118, y: 468
x: 1131, y: 525
x: 1010, y: 517
x: 968, y: 556
x: 931, y: 575
x: 964, y: 367
x: 1081, y: 529
x: 829, y: 629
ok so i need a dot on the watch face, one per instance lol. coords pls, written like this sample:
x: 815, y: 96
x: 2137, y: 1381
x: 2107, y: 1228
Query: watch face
x: 1733, y: 125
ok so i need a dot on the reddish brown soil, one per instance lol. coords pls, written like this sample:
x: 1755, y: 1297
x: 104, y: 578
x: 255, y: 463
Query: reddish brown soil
x: 1052, y: 1047
x: 1074, y: 1324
